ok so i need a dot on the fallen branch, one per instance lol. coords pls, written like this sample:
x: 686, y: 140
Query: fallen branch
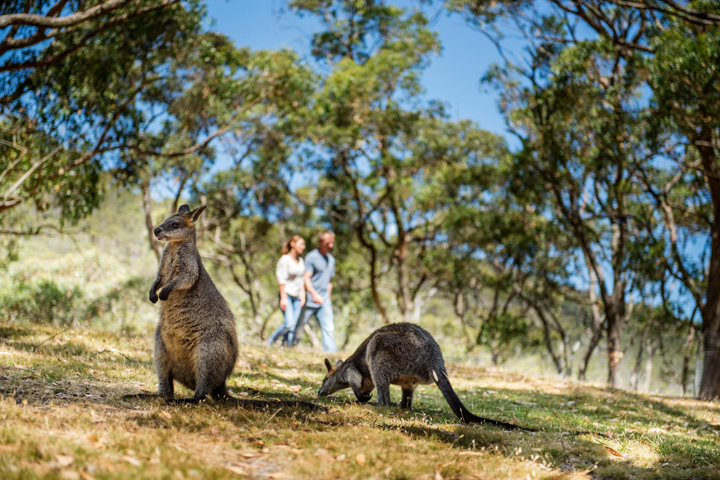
x: 35, y: 347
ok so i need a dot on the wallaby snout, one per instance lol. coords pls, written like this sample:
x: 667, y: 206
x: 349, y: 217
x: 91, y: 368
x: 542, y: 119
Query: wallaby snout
x: 158, y: 233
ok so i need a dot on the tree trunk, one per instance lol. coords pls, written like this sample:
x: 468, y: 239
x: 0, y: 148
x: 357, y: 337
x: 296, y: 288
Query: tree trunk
x: 373, y: 273
x: 181, y: 186
x: 557, y: 360
x: 687, y: 349
x: 406, y: 303
x: 650, y: 350
x: 615, y: 315
x: 635, y: 377
x: 265, y: 321
x: 459, y: 302
x: 598, y: 323
x: 155, y: 244
x: 710, y: 380
x: 563, y: 344
x: 495, y: 356
x: 314, y: 341
x: 418, y: 303
x: 594, y: 340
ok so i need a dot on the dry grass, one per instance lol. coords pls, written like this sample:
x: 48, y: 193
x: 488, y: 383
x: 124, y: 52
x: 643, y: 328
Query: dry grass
x: 62, y: 417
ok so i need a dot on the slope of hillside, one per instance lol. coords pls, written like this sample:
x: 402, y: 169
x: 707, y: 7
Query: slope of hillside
x: 63, y: 417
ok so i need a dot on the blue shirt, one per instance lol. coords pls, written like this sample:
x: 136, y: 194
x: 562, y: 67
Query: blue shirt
x: 322, y: 269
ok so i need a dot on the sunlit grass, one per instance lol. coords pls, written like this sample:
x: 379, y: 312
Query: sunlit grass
x: 61, y: 416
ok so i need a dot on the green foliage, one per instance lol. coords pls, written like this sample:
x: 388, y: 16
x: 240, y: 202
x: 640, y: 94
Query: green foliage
x: 77, y: 103
x: 40, y: 301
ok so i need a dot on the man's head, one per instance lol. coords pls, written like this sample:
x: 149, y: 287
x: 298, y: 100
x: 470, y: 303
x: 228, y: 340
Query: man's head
x: 326, y: 241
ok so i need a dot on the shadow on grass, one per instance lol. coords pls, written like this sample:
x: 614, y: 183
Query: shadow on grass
x: 693, y: 454
x: 13, y: 331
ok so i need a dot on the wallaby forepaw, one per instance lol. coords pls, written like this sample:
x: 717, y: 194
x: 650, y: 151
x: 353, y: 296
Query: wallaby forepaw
x: 153, y: 297
x: 164, y: 294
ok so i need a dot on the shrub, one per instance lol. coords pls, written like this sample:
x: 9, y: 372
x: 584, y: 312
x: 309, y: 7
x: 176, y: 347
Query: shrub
x: 40, y: 301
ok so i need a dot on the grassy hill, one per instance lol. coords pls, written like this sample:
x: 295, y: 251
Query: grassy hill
x: 63, y: 417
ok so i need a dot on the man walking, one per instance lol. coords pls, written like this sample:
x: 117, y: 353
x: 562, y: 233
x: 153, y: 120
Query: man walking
x: 319, y: 270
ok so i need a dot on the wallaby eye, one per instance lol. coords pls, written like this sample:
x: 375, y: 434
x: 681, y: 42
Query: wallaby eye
x: 175, y: 225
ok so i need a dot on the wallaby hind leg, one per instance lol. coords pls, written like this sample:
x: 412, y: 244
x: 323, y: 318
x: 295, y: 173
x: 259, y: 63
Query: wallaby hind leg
x: 383, y: 392
x: 211, y: 372
x: 407, y: 397
x: 166, y: 387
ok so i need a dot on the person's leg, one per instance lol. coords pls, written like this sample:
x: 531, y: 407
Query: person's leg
x: 289, y: 323
x: 327, y: 325
x: 305, y: 314
x: 293, y: 305
x: 276, y: 334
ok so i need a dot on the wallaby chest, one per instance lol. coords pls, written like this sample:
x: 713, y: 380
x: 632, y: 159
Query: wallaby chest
x: 177, y: 260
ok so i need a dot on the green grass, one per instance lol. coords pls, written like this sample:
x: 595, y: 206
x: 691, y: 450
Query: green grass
x: 61, y: 416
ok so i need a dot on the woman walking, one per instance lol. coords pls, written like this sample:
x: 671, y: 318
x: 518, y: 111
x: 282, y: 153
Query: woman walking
x: 289, y: 272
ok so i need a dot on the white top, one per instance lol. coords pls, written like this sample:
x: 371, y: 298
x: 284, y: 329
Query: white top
x: 290, y: 274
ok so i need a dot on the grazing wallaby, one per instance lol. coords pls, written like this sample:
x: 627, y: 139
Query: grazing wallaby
x: 400, y: 354
x: 195, y: 341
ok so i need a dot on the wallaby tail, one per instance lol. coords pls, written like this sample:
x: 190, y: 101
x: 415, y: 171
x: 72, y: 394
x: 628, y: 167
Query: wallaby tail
x: 441, y: 380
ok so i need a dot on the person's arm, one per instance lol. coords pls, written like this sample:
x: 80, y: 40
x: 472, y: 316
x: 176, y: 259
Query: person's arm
x: 283, y: 297
x: 282, y: 277
x: 332, y: 274
x: 311, y: 290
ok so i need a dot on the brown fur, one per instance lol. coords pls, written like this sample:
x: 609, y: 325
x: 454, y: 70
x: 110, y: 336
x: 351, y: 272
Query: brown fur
x: 401, y: 354
x: 195, y: 341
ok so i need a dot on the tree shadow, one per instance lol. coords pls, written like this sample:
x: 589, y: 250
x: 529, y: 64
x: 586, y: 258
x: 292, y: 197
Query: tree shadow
x: 13, y: 331
x: 686, y: 454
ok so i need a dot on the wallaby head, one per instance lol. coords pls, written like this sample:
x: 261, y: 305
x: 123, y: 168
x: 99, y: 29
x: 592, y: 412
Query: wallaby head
x: 180, y: 226
x: 334, y: 379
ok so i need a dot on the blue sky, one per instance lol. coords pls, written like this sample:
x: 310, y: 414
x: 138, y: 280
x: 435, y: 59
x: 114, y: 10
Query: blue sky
x: 453, y: 77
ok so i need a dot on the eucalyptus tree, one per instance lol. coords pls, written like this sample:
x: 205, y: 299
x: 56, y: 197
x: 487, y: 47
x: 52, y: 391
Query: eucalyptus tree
x: 501, y: 258
x: 383, y: 153
x: 263, y: 96
x: 72, y: 75
x: 215, y: 89
x: 43, y: 33
x: 579, y: 120
x: 679, y: 41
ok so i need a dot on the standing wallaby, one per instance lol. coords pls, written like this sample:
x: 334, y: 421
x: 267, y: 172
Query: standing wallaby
x: 195, y: 341
x: 400, y: 354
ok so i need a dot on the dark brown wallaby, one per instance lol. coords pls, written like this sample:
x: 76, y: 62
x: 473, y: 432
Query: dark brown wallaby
x: 401, y: 354
x: 195, y: 341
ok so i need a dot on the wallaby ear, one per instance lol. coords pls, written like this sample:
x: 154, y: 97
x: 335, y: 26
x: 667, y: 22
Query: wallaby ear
x: 196, y: 213
x: 184, y: 209
x: 328, y: 365
x: 338, y: 364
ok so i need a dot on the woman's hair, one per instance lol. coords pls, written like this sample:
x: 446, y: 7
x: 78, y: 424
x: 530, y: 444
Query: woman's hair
x: 286, y: 243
